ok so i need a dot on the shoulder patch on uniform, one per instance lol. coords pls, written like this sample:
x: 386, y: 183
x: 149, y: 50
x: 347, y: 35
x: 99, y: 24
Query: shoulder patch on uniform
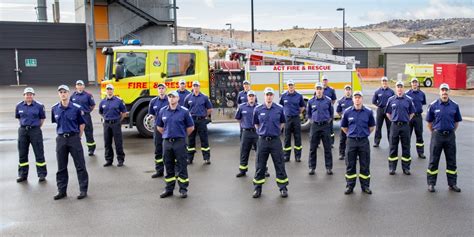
x: 21, y: 101
x: 327, y: 97
x: 279, y: 105
x: 409, y: 97
x: 453, y: 101
x: 368, y: 109
x: 118, y: 98
x: 39, y: 102
x: 434, y: 102
x: 76, y: 105
x: 57, y: 104
x: 182, y: 107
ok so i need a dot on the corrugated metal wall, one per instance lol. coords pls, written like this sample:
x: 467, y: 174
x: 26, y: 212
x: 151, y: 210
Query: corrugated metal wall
x: 59, y: 51
x: 395, y: 63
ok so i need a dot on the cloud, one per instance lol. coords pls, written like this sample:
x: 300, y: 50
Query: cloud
x: 434, y: 9
x: 209, y: 3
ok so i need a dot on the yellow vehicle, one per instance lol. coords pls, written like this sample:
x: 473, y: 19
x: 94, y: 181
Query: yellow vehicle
x: 135, y: 72
x: 423, y: 72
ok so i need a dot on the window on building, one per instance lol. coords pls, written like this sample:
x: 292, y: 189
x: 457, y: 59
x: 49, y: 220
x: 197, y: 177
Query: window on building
x: 181, y: 64
x: 134, y: 63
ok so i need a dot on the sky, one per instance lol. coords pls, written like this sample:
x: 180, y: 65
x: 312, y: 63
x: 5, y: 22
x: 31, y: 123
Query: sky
x: 274, y: 14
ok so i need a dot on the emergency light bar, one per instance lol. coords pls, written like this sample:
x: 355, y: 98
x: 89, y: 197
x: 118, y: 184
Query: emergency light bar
x: 131, y: 42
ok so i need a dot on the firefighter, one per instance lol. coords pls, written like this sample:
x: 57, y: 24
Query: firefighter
x: 31, y: 115
x: 249, y: 137
x: 153, y: 109
x: 400, y: 111
x: 331, y: 93
x: 242, y: 96
x: 443, y: 118
x: 293, y: 105
x: 86, y: 101
x: 416, y: 123
x: 182, y: 92
x: 342, y: 104
x: 358, y: 123
x: 269, y: 119
x: 200, y: 108
x: 70, y: 126
x: 113, y: 111
x: 380, y: 99
x: 320, y: 112
x: 174, y: 122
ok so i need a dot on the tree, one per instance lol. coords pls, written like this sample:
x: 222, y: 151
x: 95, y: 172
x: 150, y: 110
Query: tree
x: 306, y: 45
x: 286, y: 43
x: 417, y: 37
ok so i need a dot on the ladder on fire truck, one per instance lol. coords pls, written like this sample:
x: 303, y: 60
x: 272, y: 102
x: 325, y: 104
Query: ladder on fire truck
x: 295, y: 53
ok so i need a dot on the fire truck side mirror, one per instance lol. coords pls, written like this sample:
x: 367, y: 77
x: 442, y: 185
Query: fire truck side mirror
x: 163, y: 75
x: 119, y: 72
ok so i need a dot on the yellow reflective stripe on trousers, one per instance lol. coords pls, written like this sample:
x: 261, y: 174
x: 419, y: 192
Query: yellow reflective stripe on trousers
x: 190, y: 148
x: 205, y: 149
x: 364, y: 176
x: 351, y: 176
x: 298, y: 147
x: 432, y: 172
x: 406, y: 159
x: 287, y: 148
x: 90, y: 143
x: 261, y: 181
x: 282, y: 181
x: 23, y: 164
x: 159, y: 161
x: 393, y: 158
x: 40, y: 164
x: 242, y: 167
x: 181, y: 180
x: 451, y: 172
x: 420, y: 144
x: 172, y: 179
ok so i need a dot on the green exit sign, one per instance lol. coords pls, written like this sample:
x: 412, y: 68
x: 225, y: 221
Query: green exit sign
x: 31, y: 62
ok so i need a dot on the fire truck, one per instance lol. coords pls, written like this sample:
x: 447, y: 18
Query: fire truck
x: 136, y: 70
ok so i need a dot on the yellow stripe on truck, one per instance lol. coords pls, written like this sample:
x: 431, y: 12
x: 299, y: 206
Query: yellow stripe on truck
x: 310, y: 86
x: 261, y: 87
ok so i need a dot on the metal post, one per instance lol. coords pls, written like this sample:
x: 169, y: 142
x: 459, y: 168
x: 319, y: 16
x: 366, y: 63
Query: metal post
x: 253, y: 30
x: 230, y: 29
x: 17, y: 70
x: 344, y: 32
x: 94, y: 45
x: 175, y: 23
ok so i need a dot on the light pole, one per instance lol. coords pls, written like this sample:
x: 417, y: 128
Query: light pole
x: 230, y: 29
x: 343, y: 29
x: 251, y: 12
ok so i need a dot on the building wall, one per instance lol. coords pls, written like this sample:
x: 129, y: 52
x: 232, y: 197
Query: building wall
x: 395, y: 63
x: 320, y: 46
x: 373, y: 58
x: 59, y: 50
x: 360, y: 55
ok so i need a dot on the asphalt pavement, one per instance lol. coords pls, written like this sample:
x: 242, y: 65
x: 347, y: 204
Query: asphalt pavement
x: 125, y: 201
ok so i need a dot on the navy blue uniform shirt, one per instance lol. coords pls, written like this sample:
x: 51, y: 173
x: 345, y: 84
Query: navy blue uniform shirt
x: 443, y: 115
x: 269, y: 119
x: 84, y: 99
x: 330, y: 92
x: 358, y: 122
x: 400, y: 108
x: 174, y: 122
x: 242, y: 98
x: 381, y: 96
x: 419, y: 99
x: 112, y: 108
x: 245, y: 115
x: 344, y: 103
x: 320, y: 109
x: 156, y: 104
x: 197, y: 105
x: 182, y: 96
x: 30, y: 115
x: 292, y: 102
x: 68, y: 119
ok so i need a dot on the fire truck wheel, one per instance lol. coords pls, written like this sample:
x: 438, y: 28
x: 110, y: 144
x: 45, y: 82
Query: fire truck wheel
x: 144, y: 124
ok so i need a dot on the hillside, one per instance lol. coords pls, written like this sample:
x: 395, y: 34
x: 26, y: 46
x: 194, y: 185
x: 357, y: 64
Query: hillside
x: 434, y: 29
